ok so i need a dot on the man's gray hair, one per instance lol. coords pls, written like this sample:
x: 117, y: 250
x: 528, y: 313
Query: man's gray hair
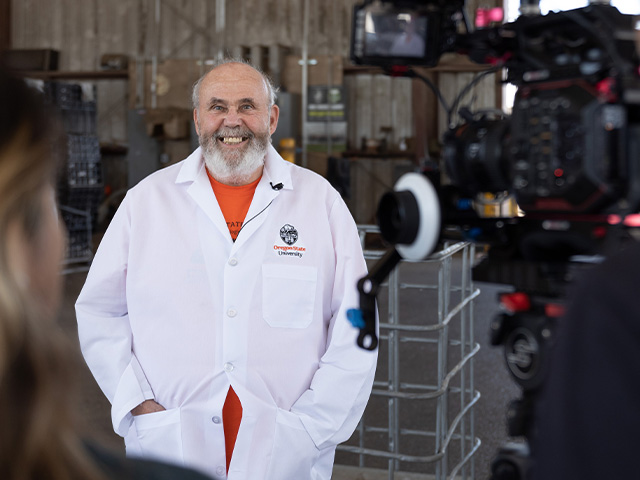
x: 271, y: 88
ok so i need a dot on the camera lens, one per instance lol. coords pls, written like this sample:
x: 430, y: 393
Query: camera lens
x: 475, y: 157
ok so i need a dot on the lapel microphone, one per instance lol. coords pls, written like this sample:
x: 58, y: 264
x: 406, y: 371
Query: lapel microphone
x: 277, y: 186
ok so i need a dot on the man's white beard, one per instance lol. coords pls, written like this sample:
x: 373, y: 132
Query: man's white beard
x: 234, y: 167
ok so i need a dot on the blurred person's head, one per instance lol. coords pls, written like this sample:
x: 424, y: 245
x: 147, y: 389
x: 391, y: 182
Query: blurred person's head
x: 38, y: 436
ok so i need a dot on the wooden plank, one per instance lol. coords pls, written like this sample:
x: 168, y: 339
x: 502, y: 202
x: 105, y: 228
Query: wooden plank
x: 89, y: 53
x: 103, y: 17
x: 171, y: 20
x: 363, y: 107
x: 130, y: 39
x: 56, y: 19
x: 135, y: 39
x: 85, y: 56
x: 198, y: 46
x: 240, y: 25
x: 317, y: 25
x: 78, y: 75
x: 18, y: 27
x: 41, y: 27
x: 350, y: 94
x: 402, y: 111
x: 293, y: 23
x: 69, y: 43
x: 296, y: 11
x: 183, y: 36
x: 381, y: 107
x: 449, y: 63
x: 231, y: 32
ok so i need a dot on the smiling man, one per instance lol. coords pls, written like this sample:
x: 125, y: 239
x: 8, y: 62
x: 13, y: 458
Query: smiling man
x: 234, y: 129
x: 214, y: 313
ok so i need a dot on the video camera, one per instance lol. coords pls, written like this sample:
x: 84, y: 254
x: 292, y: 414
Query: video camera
x: 568, y: 155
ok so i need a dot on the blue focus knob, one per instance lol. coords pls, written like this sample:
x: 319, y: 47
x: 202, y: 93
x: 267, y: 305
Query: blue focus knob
x: 354, y: 315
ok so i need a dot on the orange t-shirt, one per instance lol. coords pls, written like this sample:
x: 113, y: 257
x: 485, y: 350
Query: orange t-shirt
x: 234, y: 203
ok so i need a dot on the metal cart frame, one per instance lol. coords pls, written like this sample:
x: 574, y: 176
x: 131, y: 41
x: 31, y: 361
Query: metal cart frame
x: 452, y: 440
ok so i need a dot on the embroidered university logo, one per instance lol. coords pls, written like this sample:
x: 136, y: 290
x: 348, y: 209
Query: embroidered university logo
x: 289, y: 234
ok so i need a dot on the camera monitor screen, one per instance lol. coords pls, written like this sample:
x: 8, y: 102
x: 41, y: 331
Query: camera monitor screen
x: 394, y: 35
x: 387, y: 34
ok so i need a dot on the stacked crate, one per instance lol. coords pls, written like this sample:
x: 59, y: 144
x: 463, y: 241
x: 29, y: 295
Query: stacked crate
x: 80, y: 187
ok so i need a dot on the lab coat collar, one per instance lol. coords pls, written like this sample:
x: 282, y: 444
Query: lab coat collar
x: 191, y: 167
x: 194, y: 176
x: 277, y: 170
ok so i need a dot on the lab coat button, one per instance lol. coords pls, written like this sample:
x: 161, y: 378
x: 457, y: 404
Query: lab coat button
x: 232, y: 312
x: 216, y: 420
x: 233, y: 262
x: 220, y: 471
x: 228, y: 367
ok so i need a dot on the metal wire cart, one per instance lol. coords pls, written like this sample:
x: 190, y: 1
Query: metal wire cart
x: 420, y: 417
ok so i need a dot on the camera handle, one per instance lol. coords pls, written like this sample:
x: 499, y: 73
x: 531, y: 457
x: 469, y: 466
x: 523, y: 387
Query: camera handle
x: 364, y: 318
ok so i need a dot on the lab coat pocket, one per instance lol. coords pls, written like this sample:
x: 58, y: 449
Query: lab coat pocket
x: 294, y: 453
x: 159, y: 435
x: 288, y: 295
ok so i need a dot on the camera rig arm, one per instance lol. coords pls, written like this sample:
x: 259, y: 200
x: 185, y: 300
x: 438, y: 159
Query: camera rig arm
x: 364, y: 318
x: 409, y: 217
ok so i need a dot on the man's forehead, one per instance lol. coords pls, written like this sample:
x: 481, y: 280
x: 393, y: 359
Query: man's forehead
x: 234, y: 82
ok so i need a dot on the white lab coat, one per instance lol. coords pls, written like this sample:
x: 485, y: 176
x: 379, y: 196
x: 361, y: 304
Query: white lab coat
x: 174, y: 310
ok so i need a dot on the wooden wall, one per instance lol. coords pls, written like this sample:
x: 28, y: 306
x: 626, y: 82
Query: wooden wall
x: 378, y: 102
x: 84, y: 30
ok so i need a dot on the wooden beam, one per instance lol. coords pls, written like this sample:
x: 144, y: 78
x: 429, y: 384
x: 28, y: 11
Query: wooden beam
x: 5, y: 24
x: 75, y: 75
x: 449, y: 63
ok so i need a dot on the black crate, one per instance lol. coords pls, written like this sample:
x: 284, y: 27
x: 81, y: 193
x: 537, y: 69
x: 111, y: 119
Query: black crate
x: 84, y: 199
x: 84, y: 166
x: 63, y: 94
x: 83, y: 148
x: 79, y: 118
x: 84, y: 174
x: 78, y: 224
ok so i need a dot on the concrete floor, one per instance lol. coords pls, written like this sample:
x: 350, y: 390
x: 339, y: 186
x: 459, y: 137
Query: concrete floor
x: 491, y: 380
